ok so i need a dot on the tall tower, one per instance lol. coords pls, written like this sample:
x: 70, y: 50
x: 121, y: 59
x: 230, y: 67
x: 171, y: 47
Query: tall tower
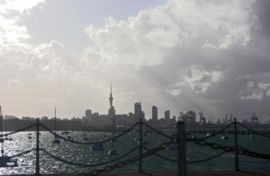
x: 111, y: 110
x: 111, y: 98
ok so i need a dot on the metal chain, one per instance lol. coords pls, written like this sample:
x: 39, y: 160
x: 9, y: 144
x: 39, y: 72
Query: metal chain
x: 191, y: 161
x: 17, y: 131
x: 159, y: 132
x: 90, y: 143
x: 22, y: 153
x: 253, y: 131
x: 217, y: 132
x: 203, y: 142
x: 89, y: 165
x: 207, y: 159
x: 161, y: 156
x: 244, y: 151
x: 134, y: 159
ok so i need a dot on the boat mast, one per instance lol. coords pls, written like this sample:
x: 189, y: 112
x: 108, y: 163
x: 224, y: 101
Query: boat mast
x: 54, y: 119
x: 1, y: 130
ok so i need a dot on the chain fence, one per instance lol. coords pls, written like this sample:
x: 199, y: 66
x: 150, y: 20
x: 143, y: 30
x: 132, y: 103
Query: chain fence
x: 126, y: 158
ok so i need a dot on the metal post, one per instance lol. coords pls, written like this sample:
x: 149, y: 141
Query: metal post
x: 236, y: 155
x: 181, y: 142
x: 37, y: 149
x: 140, y: 147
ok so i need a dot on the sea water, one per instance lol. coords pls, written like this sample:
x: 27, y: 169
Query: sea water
x: 83, y: 154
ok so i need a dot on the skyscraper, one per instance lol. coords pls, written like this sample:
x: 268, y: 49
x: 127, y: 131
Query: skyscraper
x: 138, y: 110
x: 88, y: 113
x: 154, y: 113
x: 167, y: 115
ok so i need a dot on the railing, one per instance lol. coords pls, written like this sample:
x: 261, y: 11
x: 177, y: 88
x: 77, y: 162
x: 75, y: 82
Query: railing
x: 124, y: 159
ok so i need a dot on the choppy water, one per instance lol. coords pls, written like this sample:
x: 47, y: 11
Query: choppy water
x: 84, y: 154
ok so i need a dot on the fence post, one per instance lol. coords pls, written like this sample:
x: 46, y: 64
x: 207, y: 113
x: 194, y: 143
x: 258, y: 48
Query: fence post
x: 236, y: 155
x: 37, y: 149
x: 181, y: 148
x: 140, y: 146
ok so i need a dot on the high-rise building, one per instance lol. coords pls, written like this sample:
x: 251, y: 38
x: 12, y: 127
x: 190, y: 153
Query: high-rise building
x: 88, y: 113
x: 154, y: 113
x: 137, y: 108
x: 167, y: 115
x: 138, y: 113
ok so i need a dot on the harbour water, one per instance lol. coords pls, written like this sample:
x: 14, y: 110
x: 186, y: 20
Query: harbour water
x: 84, y: 154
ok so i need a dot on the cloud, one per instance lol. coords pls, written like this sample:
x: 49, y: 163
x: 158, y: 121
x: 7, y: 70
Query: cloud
x: 19, y: 6
x: 150, y: 36
x: 256, y: 91
x: 191, y: 50
x: 11, y: 32
x: 196, y: 79
x: 210, y: 56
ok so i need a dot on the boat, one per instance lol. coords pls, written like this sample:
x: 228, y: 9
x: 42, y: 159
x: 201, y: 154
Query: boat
x: 97, y: 147
x: 5, y: 161
x: 172, y: 147
x: 65, y: 132
x: 112, y: 152
x: 56, y: 140
x: 136, y: 139
x: 224, y: 137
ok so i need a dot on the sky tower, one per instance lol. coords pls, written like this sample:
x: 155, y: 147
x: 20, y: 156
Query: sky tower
x: 111, y: 111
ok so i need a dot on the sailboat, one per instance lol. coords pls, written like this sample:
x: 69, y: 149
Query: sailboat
x: 56, y: 140
x: 5, y: 161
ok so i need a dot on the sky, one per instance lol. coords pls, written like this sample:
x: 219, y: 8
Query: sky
x: 208, y: 56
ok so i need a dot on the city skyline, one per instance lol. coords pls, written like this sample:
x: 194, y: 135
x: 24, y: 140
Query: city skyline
x: 182, y: 55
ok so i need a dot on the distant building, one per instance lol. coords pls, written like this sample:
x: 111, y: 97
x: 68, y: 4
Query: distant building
x: 254, y: 118
x: 154, y: 113
x: 10, y: 117
x: 202, y: 118
x: 189, y: 117
x: 167, y: 115
x: 88, y: 113
x: 138, y: 113
x: 27, y: 118
x: 44, y: 118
